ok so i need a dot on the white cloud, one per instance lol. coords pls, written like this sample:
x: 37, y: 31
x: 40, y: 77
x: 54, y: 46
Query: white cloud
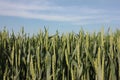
x: 23, y: 6
x: 50, y: 12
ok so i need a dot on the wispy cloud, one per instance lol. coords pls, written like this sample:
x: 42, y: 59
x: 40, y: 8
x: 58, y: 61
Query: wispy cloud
x: 51, y: 12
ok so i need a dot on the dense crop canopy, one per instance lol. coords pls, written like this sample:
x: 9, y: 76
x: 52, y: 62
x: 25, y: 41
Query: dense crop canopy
x: 71, y: 56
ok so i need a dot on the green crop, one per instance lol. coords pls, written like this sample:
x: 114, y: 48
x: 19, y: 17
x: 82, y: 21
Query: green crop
x: 82, y: 56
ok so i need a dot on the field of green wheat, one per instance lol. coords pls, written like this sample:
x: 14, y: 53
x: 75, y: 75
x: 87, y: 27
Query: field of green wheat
x: 70, y: 56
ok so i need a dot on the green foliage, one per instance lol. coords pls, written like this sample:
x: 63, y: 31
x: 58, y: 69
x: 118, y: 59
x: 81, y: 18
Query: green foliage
x: 70, y: 56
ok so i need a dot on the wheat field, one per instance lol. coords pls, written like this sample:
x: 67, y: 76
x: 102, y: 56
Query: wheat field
x: 70, y: 56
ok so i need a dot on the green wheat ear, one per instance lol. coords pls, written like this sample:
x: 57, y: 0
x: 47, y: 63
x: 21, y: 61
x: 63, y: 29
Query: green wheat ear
x: 12, y: 56
x: 32, y: 71
x: 38, y: 58
x: 6, y: 72
x: 48, y: 66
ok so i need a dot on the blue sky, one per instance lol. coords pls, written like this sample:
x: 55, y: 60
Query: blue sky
x: 62, y: 15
